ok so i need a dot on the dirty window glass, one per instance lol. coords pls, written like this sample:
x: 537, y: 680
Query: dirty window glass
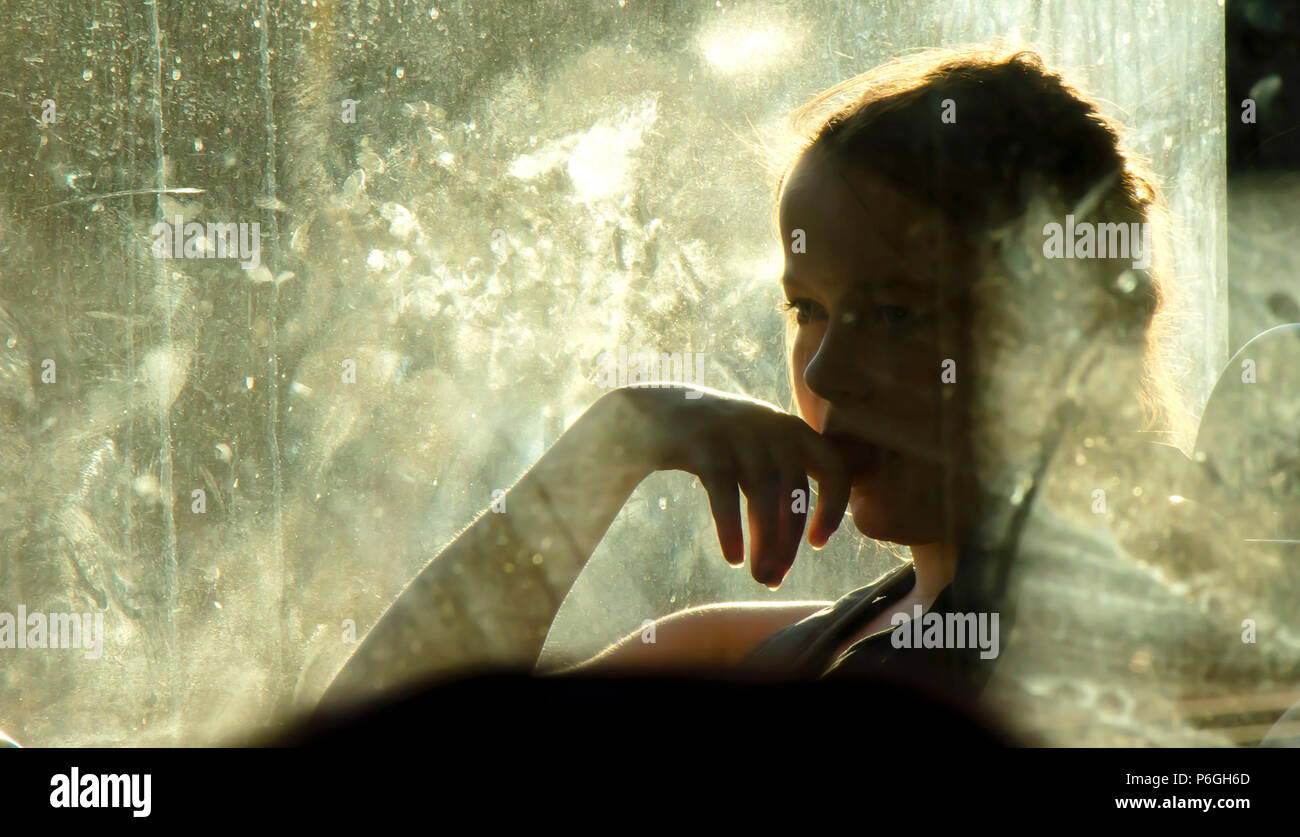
x: 292, y: 291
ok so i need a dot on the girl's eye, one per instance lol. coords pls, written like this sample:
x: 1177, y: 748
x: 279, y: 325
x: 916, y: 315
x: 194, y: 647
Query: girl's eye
x: 895, y: 315
x: 805, y: 310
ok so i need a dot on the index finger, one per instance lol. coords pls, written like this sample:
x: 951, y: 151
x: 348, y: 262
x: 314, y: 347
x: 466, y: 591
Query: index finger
x: 834, y: 484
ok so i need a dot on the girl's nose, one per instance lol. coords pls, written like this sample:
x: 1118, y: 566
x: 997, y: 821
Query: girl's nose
x: 835, y: 372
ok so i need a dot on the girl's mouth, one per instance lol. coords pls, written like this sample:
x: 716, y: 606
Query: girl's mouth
x: 862, y: 459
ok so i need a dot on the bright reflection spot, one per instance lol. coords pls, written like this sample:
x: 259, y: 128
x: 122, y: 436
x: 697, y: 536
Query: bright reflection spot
x: 600, y: 161
x: 732, y: 47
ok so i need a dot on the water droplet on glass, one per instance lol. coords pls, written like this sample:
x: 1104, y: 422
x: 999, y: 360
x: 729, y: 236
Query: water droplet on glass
x: 1022, y: 488
x: 434, y: 14
x: 1127, y: 282
x: 401, y: 73
x: 145, y: 485
x: 176, y: 74
x: 663, y: 503
x: 198, y: 145
x: 87, y: 75
x: 746, y: 348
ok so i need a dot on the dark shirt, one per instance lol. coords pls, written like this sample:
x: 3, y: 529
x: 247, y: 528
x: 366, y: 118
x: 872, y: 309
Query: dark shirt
x: 806, y: 650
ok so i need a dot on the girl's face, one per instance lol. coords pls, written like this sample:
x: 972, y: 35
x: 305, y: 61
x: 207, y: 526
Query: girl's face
x: 878, y: 275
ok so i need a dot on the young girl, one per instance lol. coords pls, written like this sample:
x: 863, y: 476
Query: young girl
x: 940, y: 362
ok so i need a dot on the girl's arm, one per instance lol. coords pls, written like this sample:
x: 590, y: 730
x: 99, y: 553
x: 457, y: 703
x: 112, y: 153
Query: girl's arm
x: 490, y: 596
x: 708, y: 638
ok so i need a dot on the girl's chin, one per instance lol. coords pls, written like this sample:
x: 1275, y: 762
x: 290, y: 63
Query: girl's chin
x: 880, y: 522
x: 868, y: 516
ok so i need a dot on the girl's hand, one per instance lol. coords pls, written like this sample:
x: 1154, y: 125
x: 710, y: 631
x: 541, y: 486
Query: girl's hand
x: 731, y: 441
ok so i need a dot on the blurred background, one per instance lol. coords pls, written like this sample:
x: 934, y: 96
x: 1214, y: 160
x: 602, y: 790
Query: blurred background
x: 524, y: 187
